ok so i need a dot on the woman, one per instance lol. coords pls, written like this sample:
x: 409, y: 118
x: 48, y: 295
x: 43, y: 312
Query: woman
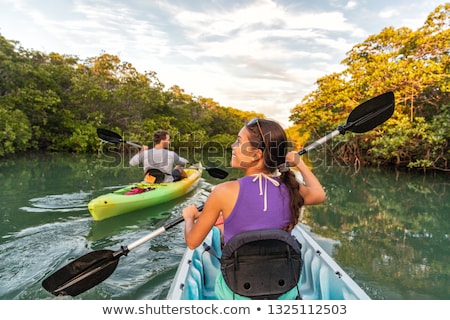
x: 268, y: 196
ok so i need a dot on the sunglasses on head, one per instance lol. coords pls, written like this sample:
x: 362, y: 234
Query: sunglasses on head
x: 251, y: 123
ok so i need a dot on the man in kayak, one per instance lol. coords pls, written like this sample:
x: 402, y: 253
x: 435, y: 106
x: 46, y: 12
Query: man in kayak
x: 267, y: 197
x: 159, y: 161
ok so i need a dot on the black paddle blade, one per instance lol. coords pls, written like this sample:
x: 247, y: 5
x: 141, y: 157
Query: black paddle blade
x: 370, y: 114
x: 109, y: 136
x: 217, y: 173
x: 82, y: 274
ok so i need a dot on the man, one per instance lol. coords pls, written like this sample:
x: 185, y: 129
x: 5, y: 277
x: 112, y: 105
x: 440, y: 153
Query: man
x: 158, y: 162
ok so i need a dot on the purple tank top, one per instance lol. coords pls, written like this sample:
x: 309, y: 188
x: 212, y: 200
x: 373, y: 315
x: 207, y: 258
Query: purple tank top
x: 248, y: 212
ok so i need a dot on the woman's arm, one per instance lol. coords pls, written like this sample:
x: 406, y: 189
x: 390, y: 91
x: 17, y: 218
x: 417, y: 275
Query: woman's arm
x: 312, y: 192
x: 198, y: 224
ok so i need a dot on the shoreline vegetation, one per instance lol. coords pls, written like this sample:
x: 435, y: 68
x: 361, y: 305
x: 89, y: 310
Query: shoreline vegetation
x: 54, y: 103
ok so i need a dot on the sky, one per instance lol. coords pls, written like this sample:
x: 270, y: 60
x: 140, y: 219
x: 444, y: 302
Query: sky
x: 252, y: 55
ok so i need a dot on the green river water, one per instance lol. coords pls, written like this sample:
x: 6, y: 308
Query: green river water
x: 388, y: 230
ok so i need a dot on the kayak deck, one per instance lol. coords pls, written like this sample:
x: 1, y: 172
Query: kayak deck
x: 118, y: 202
x: 322, y: 277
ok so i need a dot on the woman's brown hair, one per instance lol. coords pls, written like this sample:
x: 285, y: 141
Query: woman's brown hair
x: 272, y: 140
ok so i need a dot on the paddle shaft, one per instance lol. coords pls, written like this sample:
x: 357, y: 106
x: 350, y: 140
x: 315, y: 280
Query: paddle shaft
x: 154, y: 234
x: 319, y: 142
x: 157, y: 232
x: 133, y: 144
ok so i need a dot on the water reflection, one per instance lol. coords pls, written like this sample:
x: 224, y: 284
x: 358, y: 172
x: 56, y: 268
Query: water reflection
x: 392, y: 228
x: 387, y: 229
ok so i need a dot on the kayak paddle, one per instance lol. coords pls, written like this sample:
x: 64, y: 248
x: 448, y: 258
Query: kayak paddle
x: 92, y: 268
x: 114, y: 138
x: 363, y: 118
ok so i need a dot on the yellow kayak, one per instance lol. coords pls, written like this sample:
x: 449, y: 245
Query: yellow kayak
x: 142, y: 195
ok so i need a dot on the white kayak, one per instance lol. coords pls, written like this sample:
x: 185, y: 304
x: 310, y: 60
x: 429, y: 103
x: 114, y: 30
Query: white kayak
x: 321, y: 278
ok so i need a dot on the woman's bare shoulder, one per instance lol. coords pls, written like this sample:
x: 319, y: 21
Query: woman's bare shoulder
x: 224, y: 196
x: 226, y: 186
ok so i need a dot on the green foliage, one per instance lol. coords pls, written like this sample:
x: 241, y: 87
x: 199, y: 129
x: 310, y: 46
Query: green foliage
x: 415, y: 66
x: 82, y: 139
x: 15, y: 131
x: 59, y: 101
x: 55, y: 102
x: 224, y: 139
x: 400, y: 140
